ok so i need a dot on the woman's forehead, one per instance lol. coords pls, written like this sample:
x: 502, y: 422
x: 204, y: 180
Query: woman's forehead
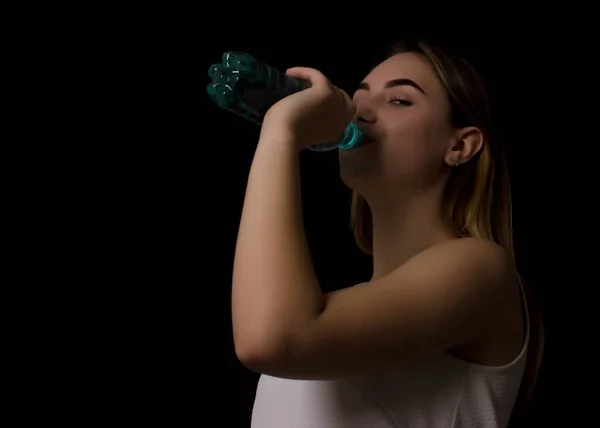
x: 408, y: 65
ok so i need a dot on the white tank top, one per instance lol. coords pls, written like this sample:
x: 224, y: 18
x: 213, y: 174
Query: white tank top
x: 442, y: 392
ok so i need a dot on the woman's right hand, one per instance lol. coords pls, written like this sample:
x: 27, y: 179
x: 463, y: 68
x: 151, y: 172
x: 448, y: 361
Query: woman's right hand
x: 313, y: 116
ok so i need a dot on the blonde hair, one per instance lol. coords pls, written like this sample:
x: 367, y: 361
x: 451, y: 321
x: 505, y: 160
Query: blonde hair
x: 477, y: 200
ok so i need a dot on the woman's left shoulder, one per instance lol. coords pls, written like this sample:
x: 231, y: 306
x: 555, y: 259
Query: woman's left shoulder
x: 476, y: 249
x: 474, y: 243
x: 472, y: 262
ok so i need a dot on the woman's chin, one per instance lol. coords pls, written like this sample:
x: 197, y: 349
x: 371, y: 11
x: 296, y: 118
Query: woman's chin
x: 355, y: 167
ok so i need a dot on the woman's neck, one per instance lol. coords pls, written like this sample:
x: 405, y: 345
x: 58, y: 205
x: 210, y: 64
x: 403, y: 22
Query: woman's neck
x: 405, y: 226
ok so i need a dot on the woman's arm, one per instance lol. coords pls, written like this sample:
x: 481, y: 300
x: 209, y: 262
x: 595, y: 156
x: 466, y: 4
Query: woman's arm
x: 275, y: 290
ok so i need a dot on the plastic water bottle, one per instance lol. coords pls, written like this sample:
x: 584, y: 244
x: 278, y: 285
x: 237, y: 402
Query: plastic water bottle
x: 248, y: 88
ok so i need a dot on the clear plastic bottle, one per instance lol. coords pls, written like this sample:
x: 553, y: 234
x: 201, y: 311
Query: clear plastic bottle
x: 248, y: 88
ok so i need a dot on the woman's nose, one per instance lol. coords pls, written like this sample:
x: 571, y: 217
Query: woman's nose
x: 365, y: 116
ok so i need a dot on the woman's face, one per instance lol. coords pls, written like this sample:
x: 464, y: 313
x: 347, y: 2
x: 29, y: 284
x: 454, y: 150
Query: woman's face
x: 403, y: 107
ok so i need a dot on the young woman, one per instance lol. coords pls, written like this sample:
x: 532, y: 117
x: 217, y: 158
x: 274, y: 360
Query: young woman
x: 440, y: 336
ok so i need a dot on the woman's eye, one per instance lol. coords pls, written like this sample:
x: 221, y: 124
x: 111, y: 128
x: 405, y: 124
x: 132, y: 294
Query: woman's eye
x: 400, y: 102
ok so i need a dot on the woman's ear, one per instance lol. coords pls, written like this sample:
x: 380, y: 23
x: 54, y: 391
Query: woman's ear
x: 466, y: 144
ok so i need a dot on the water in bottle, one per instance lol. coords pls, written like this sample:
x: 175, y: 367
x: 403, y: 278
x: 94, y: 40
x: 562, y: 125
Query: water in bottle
x: 248, y: 88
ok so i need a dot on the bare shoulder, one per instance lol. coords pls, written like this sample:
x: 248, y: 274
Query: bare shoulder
x: 470, y: 267
x: 477, y: 270
x: 447, y: 297
x: 477, y: 253
x: 488, y: 287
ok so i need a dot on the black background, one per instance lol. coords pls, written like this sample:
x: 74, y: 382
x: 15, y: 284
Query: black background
x: 133, y: 183
x: 149, y: 207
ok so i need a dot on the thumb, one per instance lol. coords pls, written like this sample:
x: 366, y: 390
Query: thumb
x: 314, y: 76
